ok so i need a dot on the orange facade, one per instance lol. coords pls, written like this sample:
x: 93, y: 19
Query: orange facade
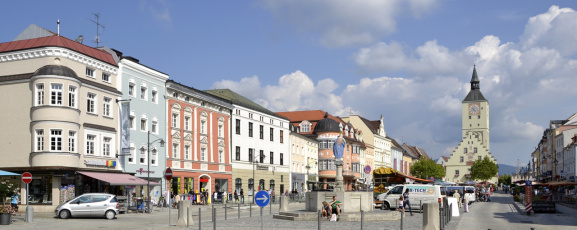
x: 198, y: 148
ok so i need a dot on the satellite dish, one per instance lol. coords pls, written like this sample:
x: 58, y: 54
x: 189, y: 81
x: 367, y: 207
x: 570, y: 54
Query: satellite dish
x: 80, y: 39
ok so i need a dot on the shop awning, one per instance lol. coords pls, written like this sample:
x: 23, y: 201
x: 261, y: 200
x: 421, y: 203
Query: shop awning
x: 6, y: 173
x: 117, y: 178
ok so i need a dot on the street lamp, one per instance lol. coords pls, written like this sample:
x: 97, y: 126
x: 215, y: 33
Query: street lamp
x: 148, y: 164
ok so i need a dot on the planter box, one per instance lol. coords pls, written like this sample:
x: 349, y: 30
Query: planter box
x: 5, y: 219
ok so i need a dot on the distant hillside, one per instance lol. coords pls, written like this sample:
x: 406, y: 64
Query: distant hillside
x: 506, y: 169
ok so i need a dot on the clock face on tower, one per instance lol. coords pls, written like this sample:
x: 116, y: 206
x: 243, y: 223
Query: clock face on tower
x: 474, y: 109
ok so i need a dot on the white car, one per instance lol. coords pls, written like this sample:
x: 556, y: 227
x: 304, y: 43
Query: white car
x: 89, y: 204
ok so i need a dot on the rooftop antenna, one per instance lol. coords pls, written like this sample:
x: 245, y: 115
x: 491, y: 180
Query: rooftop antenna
x: 58, y: 23
x: 98, y: 25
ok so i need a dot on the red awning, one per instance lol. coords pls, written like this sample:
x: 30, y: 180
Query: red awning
x: 117, y: 178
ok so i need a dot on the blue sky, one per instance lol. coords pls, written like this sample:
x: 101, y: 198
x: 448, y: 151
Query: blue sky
x: 410, y: 61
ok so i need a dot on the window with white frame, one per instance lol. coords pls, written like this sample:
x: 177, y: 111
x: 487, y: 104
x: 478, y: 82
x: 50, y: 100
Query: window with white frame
x: 175, y: 152
x: 220, y: 130
x: 154, y: 156
x: 71, y: 96
x: 39, y: 140
x: 106, y: 77
x: 186, y: 123
x: 132, y: 123
x: 106, y: 107
x: 131, y: 90
x: 187, y: 152
x: 55, y: 140
x: 203, y: 117
x: 56, y: 94
x: 106, y: 146
x: 90, y: 142
x: 143, y: 125
x: 143, y: 93
x: 142, y: 156
x: 89, y: 72
x: 39, y: 94
x: 175, y: 120
x: 202, y: 154
x: 72, y: 141
x: 91, y: 103
x: 220, y: 156
x: 154, y: 127
x: 132, y: 152
x: 154, y: 97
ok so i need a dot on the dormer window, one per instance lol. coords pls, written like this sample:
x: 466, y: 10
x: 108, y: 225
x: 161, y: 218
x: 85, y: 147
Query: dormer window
x: 305, y: 126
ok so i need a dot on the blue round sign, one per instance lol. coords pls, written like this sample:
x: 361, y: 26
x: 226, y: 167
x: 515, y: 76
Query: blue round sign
x: 262, y: 198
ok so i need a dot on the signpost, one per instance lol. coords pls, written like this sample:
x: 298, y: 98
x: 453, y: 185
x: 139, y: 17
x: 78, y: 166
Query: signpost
x: 168, y: 176
x: 528, y: 197
x: 27, y: 178
x: 261, y: 199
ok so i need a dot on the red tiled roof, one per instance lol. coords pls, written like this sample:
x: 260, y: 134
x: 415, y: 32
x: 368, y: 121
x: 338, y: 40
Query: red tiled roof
x: 313, y: 116
x: 445, y: 158
x: 57, y: 41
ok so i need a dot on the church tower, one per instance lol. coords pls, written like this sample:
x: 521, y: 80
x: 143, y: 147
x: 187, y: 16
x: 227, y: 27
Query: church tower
x: 475, y: 143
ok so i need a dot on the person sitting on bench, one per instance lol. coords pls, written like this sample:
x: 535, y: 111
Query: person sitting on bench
x: 334, y: 206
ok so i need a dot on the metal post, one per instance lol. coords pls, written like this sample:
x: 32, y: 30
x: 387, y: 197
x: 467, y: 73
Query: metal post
x: 214, y: 216
x: 199, y: 218
x: 239, y: 210
x: 362, y: 219
x: 402, y: 221
x: 148, y: 174
x: 187, y: 215
x: 261, y: 220
x: 319, y: 220
x: 224, y: 211
x: 250, y: 207
x: 270, y: 205
x: 169, y: 205
x: 421, y: 205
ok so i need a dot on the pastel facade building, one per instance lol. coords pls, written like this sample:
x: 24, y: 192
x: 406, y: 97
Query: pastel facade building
x: 304, y: 161
x: 65, y: 119
x: 260, y: 146
x: 144, y: 90
x: 199, y: 137
x: 475, y: 144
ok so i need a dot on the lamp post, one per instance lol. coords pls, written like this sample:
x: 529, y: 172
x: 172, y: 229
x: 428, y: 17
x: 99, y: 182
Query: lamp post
x: 148, y: 164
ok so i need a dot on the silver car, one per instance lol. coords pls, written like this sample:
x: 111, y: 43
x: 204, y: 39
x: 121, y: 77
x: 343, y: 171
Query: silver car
x: 89, y: 204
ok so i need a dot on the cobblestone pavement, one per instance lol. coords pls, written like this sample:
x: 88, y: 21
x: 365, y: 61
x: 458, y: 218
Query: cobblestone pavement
x: 498, y: 214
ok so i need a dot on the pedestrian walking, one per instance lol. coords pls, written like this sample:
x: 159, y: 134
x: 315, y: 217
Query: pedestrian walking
x: 458, y: 196
x: 407, y: 202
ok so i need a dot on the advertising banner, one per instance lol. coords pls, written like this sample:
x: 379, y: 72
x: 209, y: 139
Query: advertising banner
x: 125, y: 130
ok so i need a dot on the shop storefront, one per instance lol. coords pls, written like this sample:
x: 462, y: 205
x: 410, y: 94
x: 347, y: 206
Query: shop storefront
x: 193, y: 184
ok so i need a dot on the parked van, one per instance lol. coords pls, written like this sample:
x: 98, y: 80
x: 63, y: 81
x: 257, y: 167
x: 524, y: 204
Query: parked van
x: 418, y: 195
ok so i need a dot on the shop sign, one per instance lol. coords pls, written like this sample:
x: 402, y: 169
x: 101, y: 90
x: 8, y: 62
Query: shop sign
x: 204, y: 180
x: 261, y: 167
x: 141, y: 171
x: 100, y: 163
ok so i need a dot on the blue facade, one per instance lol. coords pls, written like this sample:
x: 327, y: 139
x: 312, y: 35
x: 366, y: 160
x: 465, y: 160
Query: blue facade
x: 146, y: 90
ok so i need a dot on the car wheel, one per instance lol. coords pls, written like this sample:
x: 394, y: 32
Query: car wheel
x: 110, y: 214
x: 64, y: 214
x: 385, y: 206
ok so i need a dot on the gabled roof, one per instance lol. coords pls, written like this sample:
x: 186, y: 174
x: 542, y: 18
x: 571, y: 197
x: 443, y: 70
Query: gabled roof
x: 445, y: 158
x: 395, y: 143
x: 237, y: 99
x: 415, y: 151
x: 198, y: 93
x: 371, y: 125
x: 57, y: 41
x: 313, y: 116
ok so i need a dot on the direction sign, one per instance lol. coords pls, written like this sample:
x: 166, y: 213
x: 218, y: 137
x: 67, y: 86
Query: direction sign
x: 528, y: 183
x: 168, y: 173
x: 26, y: 177
x: 262, y: 198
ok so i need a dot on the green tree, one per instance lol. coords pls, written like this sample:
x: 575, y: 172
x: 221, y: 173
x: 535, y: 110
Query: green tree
x: 484, y: 169
x: 505, y: 179
x: 426, y: 168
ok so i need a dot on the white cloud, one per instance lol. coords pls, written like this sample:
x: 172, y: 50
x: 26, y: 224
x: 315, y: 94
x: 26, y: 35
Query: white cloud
x: 556, y: 29
x: 158, y: 9
x: 345, y: 22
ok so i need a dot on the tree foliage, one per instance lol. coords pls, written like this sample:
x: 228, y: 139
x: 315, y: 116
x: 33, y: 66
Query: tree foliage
x: 426, y: 168
x: 484, y: 169
x: 505, y: 179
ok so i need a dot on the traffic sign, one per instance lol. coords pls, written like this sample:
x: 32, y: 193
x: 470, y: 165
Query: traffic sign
x: 262, y: 198
x: 168, y: 173
x: 528, y: 183
x: 26, y: 177
x: 367, y: 169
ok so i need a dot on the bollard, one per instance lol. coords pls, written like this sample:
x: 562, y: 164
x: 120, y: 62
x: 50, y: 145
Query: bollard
x: 214, y: 225
x: 250, y: 207
x: 421, y: 205
x: 199, y: 219
x: 362, y: 219
x: 441, y: 217
x: 270, y: 212
x: 239, y: 210
x: 187, y: 215
x: 402, y: 221
x: 224, y: 211
x: 319, y: 220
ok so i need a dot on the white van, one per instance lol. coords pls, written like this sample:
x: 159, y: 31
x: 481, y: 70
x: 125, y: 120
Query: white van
x: 418, y: 195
